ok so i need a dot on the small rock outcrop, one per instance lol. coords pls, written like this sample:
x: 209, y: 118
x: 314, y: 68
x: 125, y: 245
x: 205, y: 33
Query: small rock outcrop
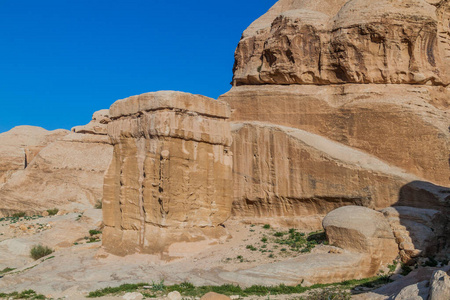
x: 171, y: 173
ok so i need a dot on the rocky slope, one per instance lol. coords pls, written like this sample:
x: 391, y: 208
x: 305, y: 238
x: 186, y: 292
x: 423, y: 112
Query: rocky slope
x: 67, y: 173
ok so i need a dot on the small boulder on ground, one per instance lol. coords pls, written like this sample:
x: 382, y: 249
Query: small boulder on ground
x: 214, y: 296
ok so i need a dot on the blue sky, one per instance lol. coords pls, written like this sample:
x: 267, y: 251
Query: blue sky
x: 61, y: 60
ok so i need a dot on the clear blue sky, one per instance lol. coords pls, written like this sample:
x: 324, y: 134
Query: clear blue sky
x: 61, y: 60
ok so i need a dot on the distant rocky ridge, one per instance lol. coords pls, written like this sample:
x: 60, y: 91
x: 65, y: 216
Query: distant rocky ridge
x: 64, y: 170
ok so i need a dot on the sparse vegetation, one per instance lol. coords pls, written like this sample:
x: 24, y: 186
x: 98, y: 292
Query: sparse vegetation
x: 335, y: 291
x: 405, y: 269
x: 53, y: 211
x: 251, y: 247
x: 27, y: 294
x: 38, y: 251
x: 266, y: 226
x: 19, y: 215
x: 98, y: 204
x: 6, y: 270
x: 93, y: 232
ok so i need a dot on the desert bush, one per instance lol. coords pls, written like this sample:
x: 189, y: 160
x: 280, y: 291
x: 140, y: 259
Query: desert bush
x: 19, y: 215
x: 38, y: 251
x: 98, y: 204
x: 52, y: 212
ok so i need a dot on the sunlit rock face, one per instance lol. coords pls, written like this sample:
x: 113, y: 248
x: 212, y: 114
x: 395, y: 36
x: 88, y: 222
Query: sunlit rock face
x: 171, y: 173
x: 340, y: 41
x: 373, y: 75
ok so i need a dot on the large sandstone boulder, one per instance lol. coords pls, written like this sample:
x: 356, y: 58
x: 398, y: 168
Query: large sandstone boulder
x: 298, y: 177
x: 20, y: 145
x: 362, y: 230
x: 171, y: 174
x: 66, y: 174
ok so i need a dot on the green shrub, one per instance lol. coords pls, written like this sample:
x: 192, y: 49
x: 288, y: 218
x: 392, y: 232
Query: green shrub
x: 251, y: 247
x: 52, y: 212
x: 38, y: 251
x: 19, y: 215
x: 94, y: 232
x: 266, y: 226
x: 98, y: 204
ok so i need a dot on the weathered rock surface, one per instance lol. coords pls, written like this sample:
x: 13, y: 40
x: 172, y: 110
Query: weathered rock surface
x: 171, y: 173
x: 439, y: 286
x: 98, y: 124
x: 382, y: 120
x: 340, y: 41
x: 363, y: 230
x: 418, y: 231
x: 214, y: 296
x: 21, y: 144
x: 66, y: 174
x: 295, y: 175
x: 416, y: 285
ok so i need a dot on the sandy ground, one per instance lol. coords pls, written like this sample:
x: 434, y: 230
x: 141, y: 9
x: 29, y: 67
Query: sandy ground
x: 78, y: 266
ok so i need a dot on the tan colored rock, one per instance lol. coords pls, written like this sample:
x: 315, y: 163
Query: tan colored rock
x: 361, y: 229
x: 418, y: 231
x: 439, y: 286
x: 98, y: 124
x: 67, y: 174
x: 214, y: 296
x: 288, y: 173
x: 382, y: 120
x: 20, y: 145
x: 171, y: 173
x: 339, y: 41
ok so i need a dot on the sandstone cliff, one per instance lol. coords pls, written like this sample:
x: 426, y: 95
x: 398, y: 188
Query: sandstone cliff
x: 171, y: 175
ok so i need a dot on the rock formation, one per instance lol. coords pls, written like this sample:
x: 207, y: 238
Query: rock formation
x: 360, y: 229
x: 66, y: 174
x: 372, y: 75
x: 298, y: 177
x: 171, y: 175
x: 20, y: 145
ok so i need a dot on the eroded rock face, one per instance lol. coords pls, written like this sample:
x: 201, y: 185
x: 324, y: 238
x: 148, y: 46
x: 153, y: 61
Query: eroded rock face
x: 171, y: 173
x: 341, y: 41
x: 299, y: 177
x: 362, y: 230
x: 20, y: 145
x: 66, y: 174
x: 98, y: 124
x: 400, y: 124
x: 418, y: 231
x: 373, y: 75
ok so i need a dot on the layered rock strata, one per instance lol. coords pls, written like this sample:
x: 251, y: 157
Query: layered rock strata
x: 298, y: 177
x: 403, y: 125
x: 171, y: 174
x: 373, y: 75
